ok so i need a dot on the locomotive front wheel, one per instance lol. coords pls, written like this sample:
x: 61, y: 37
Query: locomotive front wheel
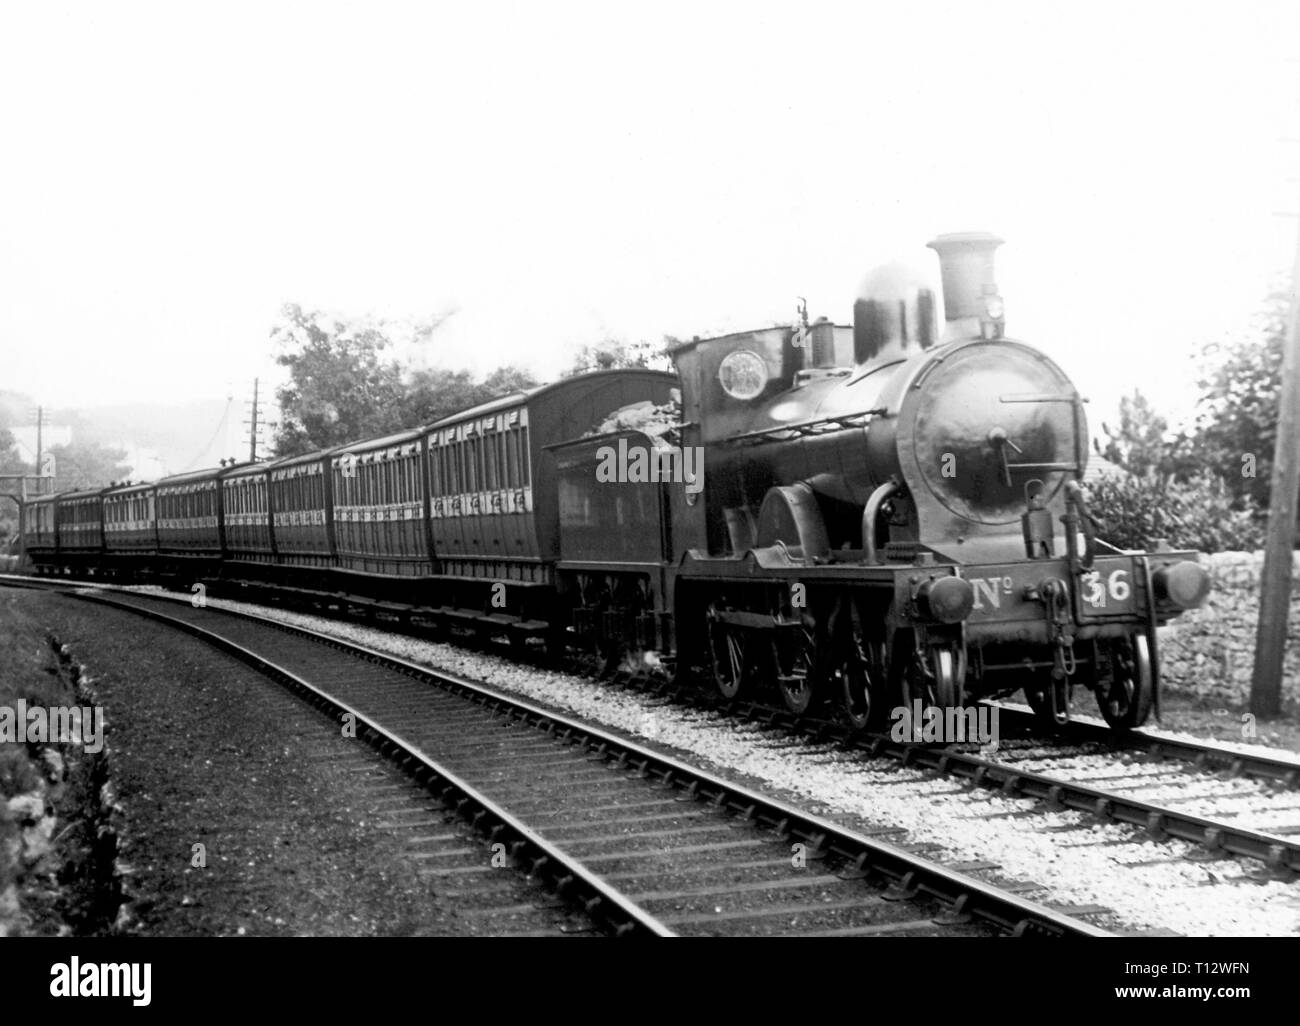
x: 935, y: 682
x: 1125, y: 699
x: 729, y: 658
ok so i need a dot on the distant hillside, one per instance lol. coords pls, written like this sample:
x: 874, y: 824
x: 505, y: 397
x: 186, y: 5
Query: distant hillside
x: 159, y: 437
x: 15, y: 408
x: 183, y: 436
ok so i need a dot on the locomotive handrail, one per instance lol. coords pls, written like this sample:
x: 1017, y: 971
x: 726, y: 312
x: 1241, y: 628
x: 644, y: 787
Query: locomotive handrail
x: 807, y: 427
x: 1040, y: 397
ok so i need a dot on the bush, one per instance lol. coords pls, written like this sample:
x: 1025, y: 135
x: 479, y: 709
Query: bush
x: 1195, y: 514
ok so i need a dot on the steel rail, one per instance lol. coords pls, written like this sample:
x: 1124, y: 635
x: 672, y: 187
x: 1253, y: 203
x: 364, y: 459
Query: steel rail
x: 1206, y: 756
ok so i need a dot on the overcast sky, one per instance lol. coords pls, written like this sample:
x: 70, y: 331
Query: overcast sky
x: 171, y: 174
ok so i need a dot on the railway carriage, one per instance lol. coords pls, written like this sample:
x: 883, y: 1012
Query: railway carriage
x: 80, y: 526
x: 190, y: 526
x: 130, y: 529
x: 246, y: 516
x: 301, y: 498
x: 380, y: 503
x: 40, y: 539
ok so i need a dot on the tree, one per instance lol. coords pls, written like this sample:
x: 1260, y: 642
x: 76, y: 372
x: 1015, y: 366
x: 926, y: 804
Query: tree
x: 344, y: 387
x: 87, y: 465
x: 341, y: 386
x: 1143, y: 445
x: 1196, y: 513
x: 431, y: 395
x: 1237, y: 427
x: 611, y: 353
x: 10, y: 463
x: 505, y: 380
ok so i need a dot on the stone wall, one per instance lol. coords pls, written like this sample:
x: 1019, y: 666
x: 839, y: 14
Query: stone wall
x: 1210, y: 652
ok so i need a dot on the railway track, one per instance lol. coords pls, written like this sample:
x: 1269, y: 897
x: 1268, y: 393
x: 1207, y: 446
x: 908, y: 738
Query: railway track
x: 1281, y: 768
x: 1058, y: 778
x: 640, y: 842
x: 1022, y: 771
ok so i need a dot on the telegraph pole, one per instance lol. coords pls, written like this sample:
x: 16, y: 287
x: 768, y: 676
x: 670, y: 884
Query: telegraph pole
x: 1275, y: 583
x: 40, y: 446
x: 252, y: 427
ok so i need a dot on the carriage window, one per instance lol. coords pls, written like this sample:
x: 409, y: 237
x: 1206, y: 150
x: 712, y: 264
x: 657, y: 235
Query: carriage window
x: 521, y: 440
x: 496, y: 450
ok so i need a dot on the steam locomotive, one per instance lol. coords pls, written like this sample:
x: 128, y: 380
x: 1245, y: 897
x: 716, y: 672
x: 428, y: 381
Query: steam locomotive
x: 856, y: 515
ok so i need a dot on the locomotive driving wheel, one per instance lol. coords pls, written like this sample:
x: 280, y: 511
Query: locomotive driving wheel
x: 858, y: 666
x: 795, y: 656
x: 1124, y: 684
x: 729, y: 657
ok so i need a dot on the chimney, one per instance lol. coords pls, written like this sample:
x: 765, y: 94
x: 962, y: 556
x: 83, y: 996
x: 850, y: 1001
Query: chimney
x: 971, y: 302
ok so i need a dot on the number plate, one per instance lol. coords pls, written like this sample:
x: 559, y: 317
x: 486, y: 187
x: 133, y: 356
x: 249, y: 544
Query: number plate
x: 1107, y: 590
